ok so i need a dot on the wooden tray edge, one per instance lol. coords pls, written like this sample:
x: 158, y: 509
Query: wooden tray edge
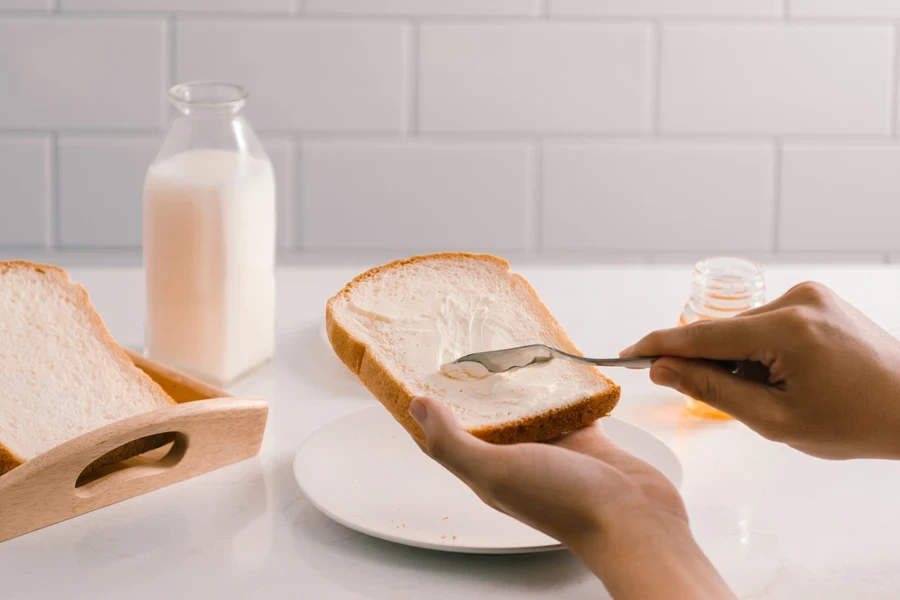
x: 212, y: 429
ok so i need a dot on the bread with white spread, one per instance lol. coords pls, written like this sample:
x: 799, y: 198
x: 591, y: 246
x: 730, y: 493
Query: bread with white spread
x: 397, y: 325
x: 61, y: 372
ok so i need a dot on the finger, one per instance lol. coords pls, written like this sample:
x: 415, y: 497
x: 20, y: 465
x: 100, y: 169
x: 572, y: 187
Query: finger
x: 748, y: 401
x: 466, y: 456
x: 592, y: 441
x: 586, y: 440
x: 808, y: 292
x: 734, y: 339
x: 761, y: 310
x: 782, y: 301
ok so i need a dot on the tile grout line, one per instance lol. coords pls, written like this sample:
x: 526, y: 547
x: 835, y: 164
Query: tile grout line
x: 296, y: 199
x: 798, y: 256
x: 52, y: 219
x: 289, y: 193
x: 894, y: 79
x: 412, y: 78
x: 88, y: 131
x: 130, y: 256
x: 776, y: 197
x: 171, y: 25
x: 488, y: 136
x: 534, y: 210
x: 454, y: 18
x: 656, y: 79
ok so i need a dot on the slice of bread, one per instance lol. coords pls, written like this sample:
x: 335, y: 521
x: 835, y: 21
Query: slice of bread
x: 61, y: 372
x: 396, y: 325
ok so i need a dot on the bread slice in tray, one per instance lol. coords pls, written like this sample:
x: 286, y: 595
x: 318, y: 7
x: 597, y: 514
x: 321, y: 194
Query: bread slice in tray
x: 61, y: 372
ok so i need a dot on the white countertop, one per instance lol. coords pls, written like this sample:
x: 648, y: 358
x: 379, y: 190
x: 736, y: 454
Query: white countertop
x: 777, y: 523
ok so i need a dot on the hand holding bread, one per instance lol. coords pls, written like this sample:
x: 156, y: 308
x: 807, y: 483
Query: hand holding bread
x: 610, y: 508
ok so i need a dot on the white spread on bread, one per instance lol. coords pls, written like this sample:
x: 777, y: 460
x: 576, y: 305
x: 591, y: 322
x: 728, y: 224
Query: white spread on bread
x: 464, y: 371
x: 419, y: 322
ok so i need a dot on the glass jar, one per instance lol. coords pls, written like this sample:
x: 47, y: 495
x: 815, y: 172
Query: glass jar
x: 721, y: 288
x: 209, y: 239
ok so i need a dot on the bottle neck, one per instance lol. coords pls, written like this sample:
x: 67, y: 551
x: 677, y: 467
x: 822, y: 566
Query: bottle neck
x: 724, y: 287
x: 209, y: 118
x: 208, y: 99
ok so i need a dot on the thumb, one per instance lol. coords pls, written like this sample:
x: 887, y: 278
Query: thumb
x: 748, y: 401
x: 446, y: 442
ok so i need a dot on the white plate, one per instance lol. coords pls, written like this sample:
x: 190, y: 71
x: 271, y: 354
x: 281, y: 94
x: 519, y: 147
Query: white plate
x: 365, y: 472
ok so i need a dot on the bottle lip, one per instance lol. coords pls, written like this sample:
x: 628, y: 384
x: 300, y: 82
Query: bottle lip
x: 724, y: 286
x: 729, y: 267
x: 208, y: 94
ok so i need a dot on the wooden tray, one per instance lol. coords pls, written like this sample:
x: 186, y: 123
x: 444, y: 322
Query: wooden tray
x: 209, y: 428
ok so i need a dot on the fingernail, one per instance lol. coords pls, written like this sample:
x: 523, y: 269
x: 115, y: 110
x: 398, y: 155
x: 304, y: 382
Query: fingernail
x: 665, y: 377
x: 626, y: 351
x: 418, y: 411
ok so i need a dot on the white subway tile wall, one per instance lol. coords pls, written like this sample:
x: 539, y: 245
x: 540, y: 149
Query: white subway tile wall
x: 777, y: 79
x: 505, y: 8
x: 845, y: 8
x: 280, y: 149
x: 39, y: 5
x: 63, y: 72
x: 304, y: 76
x: 850, y: 191
x: 724, y: 196
x: 100, y: 181
x: 667, y: 8
x: 779, y: 258
x: 535, y: 78
x: 369, y: 195
x: 657, y: 130
x: 25, y: 198
x: 184, y: 6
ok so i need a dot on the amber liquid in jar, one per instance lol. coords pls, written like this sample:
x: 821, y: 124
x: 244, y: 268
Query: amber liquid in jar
x: 721, y: 288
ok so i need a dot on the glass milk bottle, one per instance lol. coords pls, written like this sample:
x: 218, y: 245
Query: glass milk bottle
x: 209, y: 239
x: 721, y: 288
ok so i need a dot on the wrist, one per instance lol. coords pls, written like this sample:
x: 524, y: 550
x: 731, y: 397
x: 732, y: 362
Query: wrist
x: 632, y: 532
x: 649, y: 555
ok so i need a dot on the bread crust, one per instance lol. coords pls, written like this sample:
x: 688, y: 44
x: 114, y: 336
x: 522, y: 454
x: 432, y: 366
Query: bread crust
x: 8, y: 459
x: 396, y: 398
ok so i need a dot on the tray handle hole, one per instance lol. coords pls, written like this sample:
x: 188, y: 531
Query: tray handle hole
x: 167, y: 451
